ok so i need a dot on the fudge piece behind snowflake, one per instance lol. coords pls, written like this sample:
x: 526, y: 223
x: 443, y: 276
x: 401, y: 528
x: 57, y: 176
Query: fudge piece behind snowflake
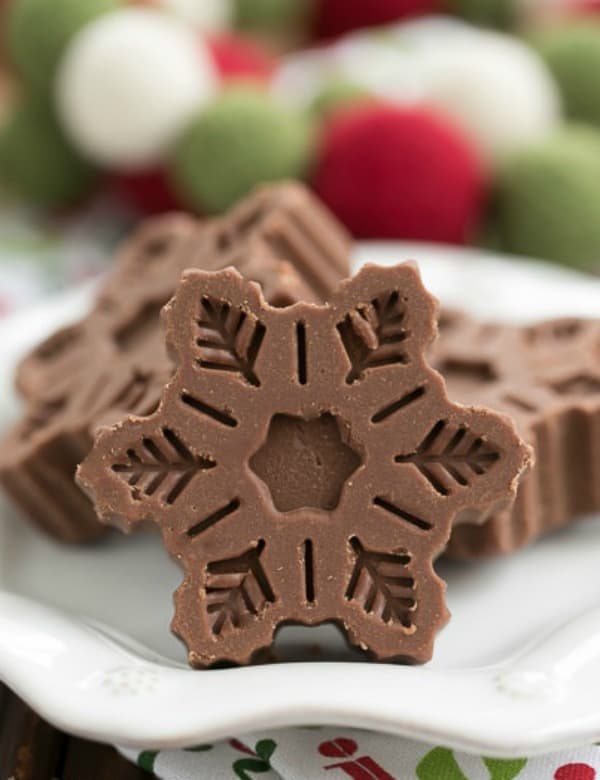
x: 547, y: 378
x: 305, y: 465
x: 280, y: 236
x: 114, y: 362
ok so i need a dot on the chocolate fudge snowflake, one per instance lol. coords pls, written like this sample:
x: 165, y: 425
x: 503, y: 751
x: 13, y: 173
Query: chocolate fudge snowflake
x: 305, y: 465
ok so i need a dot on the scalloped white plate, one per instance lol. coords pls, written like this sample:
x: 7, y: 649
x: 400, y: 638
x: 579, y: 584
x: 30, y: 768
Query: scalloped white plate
x: 84, y: 632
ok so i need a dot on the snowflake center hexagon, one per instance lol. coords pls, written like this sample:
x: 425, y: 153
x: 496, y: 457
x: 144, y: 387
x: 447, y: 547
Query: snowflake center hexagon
x: 304, y: 462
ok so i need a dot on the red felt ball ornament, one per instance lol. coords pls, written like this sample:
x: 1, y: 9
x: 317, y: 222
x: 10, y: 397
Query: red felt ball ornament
x: 148, y: 191
x: 392, y: 172
x: 336, y: 17
x: 237, y: 57
x: 577, y: 7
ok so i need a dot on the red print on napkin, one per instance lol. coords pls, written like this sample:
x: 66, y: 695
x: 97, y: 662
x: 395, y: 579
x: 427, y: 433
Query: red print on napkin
x: 363, y: 768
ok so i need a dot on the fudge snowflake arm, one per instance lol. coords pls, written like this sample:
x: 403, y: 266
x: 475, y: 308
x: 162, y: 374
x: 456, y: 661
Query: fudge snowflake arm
x: 470, y: 458
x: 394, y: 602
x: 215, y: 327
x: 141, y: 469
x: 384, y: 318
x: 224, y: 595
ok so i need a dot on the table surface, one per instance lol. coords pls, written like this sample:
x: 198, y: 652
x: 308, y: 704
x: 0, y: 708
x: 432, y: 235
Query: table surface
x: 31, y: 749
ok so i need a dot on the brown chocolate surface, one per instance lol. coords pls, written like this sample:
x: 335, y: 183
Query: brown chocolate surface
x: 114, y: 361
x: 305, y: 465
x: 547, y: 378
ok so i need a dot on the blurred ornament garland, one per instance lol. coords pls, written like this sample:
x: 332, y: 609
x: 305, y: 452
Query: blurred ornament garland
x: 435, y: 128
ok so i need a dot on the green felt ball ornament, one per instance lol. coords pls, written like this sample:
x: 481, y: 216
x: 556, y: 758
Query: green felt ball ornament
x: 37, y: 163
x: 500, y: 14
x: 572, y: 52
x: 37, y: 32
x: 338, y: 95
x: 242, y: 139
x: 548, y: 199
x: 272, y: 15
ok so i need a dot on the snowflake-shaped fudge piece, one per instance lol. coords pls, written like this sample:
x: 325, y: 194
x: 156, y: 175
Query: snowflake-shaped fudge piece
x: 305, y: 465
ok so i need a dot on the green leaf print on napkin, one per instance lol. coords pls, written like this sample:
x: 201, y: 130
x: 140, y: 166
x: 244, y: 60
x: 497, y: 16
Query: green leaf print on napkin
x: 504, y: 770
x: 146, y: 759
x: 440, y: 764
x: 260, y: 764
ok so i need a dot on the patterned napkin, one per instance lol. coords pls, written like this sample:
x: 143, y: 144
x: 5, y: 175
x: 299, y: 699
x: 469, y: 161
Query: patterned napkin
x: 333, y: 754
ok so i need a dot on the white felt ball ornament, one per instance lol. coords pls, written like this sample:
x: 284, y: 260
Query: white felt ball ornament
x: 207, y: 15
x: 129, y: 83
x: 493, y: 87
